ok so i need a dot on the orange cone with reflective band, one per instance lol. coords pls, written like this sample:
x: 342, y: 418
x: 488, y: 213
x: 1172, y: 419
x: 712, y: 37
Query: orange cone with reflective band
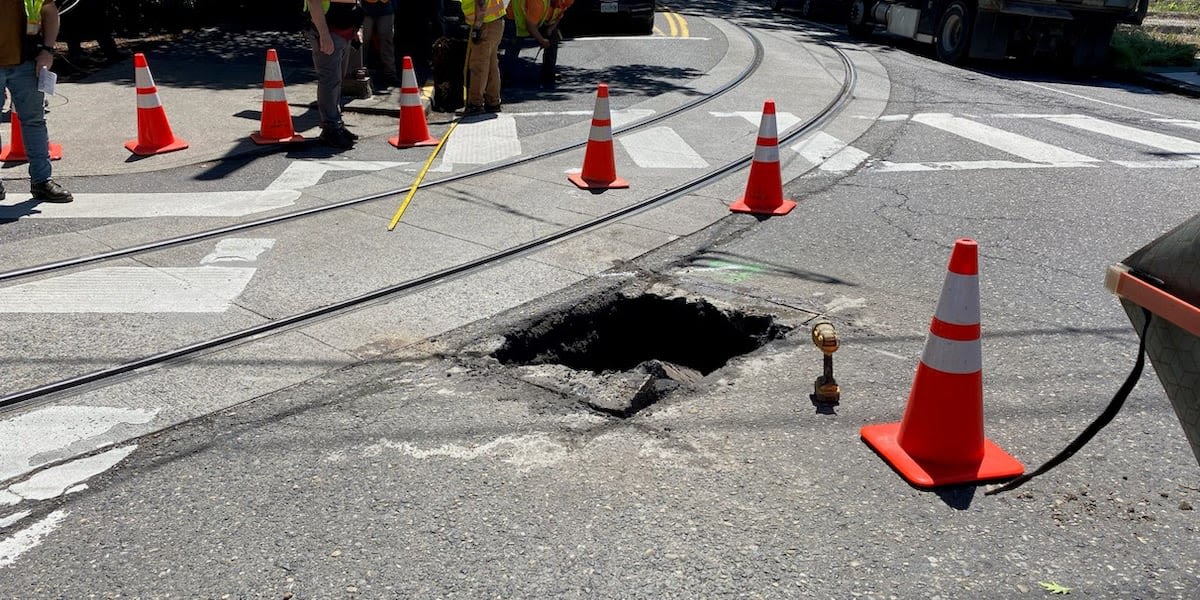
x: 599, y: 167
x: 276, y: 122
x: 154, y: 132
x: 940, y: 440
x: 15, y: 152
x: 764, y: 189
x: 414, y: 131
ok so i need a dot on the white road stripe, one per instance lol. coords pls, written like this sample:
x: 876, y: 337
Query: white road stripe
x: 57, y: 480
x: 1006, y: 141
x: 830, y: 153
x: 206, y: 289
x: 972, y: 165
x: 620, y: 118
x: 22, y: 541
x: 301, y: 174
x: 31, y: 440
x: 783, y: 120
x: 482, y: 142
x: 1169, y: 143
x: 1088, y: 98
x: 661, y: 148
x: 132, y: 206
x: 238, y: 250
x: 1160, y: 164
x: 1181, y: 122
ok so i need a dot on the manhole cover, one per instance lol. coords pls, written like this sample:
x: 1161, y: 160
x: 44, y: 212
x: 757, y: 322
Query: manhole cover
x: 638, y: 348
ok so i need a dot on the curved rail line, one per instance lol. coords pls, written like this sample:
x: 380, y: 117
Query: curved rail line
x: 230, y: 339
x: 211, y: 233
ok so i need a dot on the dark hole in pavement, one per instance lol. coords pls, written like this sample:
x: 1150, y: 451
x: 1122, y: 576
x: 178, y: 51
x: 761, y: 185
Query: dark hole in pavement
x: 664, y: 342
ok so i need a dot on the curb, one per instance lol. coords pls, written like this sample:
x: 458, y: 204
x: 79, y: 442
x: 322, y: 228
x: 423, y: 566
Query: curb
x: 1158, y: 82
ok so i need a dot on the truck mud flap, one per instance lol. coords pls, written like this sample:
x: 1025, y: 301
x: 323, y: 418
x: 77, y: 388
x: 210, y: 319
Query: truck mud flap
x: 989, y: 38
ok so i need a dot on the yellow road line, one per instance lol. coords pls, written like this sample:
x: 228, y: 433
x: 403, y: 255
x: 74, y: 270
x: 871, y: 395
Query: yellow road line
x: 671, y: 22
x: 678, y: 24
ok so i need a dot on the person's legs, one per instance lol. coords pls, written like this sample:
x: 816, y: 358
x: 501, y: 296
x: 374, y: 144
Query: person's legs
x: 550, y: 57
x: 27, y: 102
x: 478, y: 64
x: 386, y: 26
x: 368, y: 33
x: 329, y: 79
x: 492, y: 34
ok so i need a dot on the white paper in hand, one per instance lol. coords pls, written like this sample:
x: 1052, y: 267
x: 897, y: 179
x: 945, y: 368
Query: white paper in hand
x: 46, y: 81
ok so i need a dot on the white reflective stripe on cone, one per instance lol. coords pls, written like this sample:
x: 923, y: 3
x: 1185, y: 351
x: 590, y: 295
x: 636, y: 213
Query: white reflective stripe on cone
x: 408, y: 80
x: 148, y: 101
x: 766, y: 127
x: 273, y: 72
x: 274, y: 95
x: 766, y: 154
x: 142, y: 78
x: 410, y: 99
x: 950, y: 356
x: 600, y: 134
x: 601, y: 111
x: 959, y: 303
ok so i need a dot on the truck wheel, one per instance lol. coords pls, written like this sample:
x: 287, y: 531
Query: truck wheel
x: 857, y: 22
x: 954, y: 32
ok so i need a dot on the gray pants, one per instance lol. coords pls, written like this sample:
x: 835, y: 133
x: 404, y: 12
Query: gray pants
x: 384, y: 25
x: 329, y: 78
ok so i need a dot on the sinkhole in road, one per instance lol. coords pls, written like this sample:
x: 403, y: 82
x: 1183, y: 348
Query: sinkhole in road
x: 642, y: 346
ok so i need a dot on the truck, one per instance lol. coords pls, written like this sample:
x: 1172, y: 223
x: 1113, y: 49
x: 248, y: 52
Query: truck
x: 1073, y: 33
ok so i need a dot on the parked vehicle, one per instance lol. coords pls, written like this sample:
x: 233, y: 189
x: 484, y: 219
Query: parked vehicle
x: 610, y: 16
x: 814, y: 9
x: 1074, y: 32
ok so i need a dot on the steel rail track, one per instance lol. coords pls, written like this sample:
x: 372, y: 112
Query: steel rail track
x: 110, y: 375
x: 211, y: 233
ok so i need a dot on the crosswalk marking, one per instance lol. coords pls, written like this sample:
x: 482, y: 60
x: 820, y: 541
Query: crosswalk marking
x: 1005, y: 141
x: 783, y: 120
x: 152, y: 204
x: 829, y: 153
x: 970, y: 165
x: 661, y: 148
x: 1168, y: 143
x: 482, y: 142
x: 1181, y: 122
x: 1159, y: 164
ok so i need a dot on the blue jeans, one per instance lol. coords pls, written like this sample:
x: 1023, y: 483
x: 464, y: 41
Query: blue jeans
x: 27, y: 101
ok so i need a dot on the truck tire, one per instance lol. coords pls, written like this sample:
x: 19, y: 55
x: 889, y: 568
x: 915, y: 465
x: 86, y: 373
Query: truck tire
x: 857, y: 22
x: 954, y: 32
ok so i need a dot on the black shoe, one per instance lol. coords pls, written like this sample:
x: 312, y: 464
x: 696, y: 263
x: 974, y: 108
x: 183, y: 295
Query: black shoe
x: 472, y: 109
x: 2, y: 192
x: 350, y: 134
x: 336, y: 138
x: 492, y: 108
x: 49, y: 191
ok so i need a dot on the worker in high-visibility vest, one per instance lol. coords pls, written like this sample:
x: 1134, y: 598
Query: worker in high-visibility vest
x: 28, y: 30
x: 486, y: 19
x: 334, y: 26
x: 534, y: 22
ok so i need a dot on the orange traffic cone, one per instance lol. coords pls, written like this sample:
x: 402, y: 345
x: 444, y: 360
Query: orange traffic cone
x: 764, y: 189
x: 154, y: 132
x: 276, y: 127
x: 414, y: 131
x: 599, y: 167
x: 940, y: 440
x: 15, y: 152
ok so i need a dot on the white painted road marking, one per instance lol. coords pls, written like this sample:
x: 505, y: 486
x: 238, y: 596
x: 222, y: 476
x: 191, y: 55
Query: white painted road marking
x: 32, y: 440
x: 1181, y: 122
x: 1006, y: 141
x: 22, y: 541
x: 482, y: 142
x: 830, y: 153
x: 1089, y: 98
x: 1168, y: 143
x: 971, y: 165
x: 661, y: 148
x: 204, y: 289
x: 783, y: 120
x: 57, y: 480
x: 301, y: 174
x: 619, y: 118
x: 132, y: 206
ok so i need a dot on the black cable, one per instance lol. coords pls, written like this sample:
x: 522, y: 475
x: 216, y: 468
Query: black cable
x: 1114, y: 406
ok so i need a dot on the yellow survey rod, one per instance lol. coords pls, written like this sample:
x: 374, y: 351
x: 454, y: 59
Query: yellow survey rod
x: 420, y: 177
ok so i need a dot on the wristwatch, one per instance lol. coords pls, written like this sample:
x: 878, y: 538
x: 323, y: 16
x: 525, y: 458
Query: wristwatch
x: 47, y: 48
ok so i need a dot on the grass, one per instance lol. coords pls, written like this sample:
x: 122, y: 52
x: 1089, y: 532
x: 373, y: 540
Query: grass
x: 1160, y: 46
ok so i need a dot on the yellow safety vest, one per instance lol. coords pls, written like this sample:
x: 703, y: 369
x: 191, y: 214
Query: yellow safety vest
x: 494, y: 9
x: 516, y: 12
x: 33, y: 16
